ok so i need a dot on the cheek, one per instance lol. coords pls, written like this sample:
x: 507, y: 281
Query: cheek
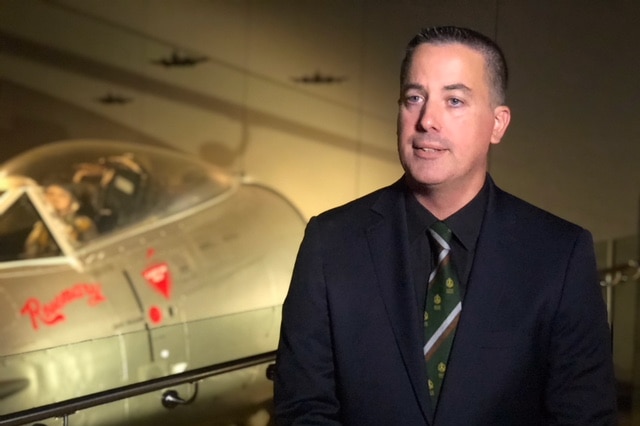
x: 405, y: 129
x: 476, y: 130
x: 64, y: 201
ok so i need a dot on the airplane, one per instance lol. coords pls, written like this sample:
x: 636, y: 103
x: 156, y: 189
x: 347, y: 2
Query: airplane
x: 178, y: 59
x: 121, y: 263
x: 110, y: 98
x: 318, y: 78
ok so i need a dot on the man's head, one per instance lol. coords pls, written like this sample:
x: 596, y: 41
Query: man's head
x: 61, y: 199
x: 497, y: 70
x: 450, y: 112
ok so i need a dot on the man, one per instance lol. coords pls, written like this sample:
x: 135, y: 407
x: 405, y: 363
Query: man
x: 530, y: 344
x: 79, y: 228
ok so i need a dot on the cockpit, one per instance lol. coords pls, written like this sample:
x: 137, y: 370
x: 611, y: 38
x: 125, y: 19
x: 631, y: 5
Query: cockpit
x: 62, y: 196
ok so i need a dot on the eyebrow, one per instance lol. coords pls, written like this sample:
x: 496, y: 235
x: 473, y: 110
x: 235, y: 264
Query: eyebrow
x: 410, y: 86
x: 448, y: 87
x: 458, y: 86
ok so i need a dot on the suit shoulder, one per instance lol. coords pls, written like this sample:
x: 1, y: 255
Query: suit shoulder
x: 535, y: 218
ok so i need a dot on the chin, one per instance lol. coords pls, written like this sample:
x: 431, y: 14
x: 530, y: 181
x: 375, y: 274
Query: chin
x: 422, y: 182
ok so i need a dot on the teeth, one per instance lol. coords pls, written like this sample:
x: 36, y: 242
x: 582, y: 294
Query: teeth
x: 430, y: 150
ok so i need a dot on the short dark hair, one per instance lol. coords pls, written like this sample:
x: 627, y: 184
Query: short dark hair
x: 495, y: 61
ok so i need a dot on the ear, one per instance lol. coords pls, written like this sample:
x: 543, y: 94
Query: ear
x: 501, y: 118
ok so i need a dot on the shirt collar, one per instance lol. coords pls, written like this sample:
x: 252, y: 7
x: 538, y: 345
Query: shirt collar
x: 465, y: 223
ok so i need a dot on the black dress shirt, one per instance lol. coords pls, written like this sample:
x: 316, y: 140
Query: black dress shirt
x: 465, y: 225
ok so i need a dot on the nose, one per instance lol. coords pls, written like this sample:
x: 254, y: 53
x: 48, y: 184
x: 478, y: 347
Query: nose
x: 429, y: 118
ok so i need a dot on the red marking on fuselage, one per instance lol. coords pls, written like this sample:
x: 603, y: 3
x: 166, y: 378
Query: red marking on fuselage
x: 159, y: 277
x: 155, y: 314
x: 51, y: 313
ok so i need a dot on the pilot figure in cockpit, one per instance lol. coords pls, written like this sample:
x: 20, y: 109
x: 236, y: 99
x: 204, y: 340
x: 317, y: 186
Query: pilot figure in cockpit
x: 79, y: 228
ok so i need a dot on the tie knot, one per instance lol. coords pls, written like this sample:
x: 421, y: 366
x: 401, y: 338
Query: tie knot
x: 441, y: 230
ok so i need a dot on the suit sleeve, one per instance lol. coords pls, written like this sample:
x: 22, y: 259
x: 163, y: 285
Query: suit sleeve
x: 581, y: 385
x: 304, y: 380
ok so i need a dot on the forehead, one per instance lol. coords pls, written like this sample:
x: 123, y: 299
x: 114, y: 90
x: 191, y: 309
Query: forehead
x: 447, y: 61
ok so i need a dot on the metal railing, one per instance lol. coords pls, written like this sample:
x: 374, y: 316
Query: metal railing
x: 614, y: 275
x: 170, y: 398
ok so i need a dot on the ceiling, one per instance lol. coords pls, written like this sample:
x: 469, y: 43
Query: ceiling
x: 573, y: 146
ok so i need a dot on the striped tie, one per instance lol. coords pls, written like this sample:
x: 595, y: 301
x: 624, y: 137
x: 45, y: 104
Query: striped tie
x: 442, y: 309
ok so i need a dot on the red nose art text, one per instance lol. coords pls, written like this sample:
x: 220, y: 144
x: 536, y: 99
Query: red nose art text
x: 52, y: 313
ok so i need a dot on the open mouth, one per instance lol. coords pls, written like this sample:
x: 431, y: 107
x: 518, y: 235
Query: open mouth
x: 431, y: 149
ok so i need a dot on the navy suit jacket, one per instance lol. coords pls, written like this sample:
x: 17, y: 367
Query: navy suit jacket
x: 532, y: 345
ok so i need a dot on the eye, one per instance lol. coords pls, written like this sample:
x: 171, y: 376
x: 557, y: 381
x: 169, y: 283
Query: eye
x: 412, y: 99
x: 455, y: 102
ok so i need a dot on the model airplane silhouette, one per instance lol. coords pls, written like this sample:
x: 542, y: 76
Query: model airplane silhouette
x: 178, y: 59
x: 318, y: 78
x: 111, y: 98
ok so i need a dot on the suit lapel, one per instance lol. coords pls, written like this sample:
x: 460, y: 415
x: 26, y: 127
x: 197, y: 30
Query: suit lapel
x: 492, y: 265
x: 388, y: 244
x: 492, y: 262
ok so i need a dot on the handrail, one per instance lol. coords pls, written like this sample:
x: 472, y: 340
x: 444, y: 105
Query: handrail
x: 70, y: 406
x: 624, y: 272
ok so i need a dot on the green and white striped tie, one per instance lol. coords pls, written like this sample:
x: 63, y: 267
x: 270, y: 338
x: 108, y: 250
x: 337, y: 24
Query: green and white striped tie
x: 442, y: 309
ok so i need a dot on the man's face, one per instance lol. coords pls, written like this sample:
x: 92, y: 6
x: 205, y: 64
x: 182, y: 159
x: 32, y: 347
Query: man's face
x: 446, y: 119
x: 60, y: 198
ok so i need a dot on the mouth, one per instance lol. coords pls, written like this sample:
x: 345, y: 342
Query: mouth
x: 431, y: 149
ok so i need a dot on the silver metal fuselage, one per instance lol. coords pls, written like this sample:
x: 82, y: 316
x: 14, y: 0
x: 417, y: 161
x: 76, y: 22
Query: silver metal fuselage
x: 199, y: 281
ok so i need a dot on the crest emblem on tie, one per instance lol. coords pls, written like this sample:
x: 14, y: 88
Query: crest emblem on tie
x: 449, y: 284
